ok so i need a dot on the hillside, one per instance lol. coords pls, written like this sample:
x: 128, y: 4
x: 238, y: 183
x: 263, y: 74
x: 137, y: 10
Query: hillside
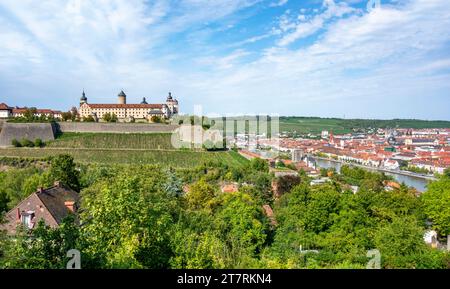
x: 113, y: 148
x: 113, y: 141
x: 315, y: 125
x: 179, y: 159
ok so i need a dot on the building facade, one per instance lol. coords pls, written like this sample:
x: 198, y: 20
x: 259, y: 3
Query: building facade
x: 128, y: 112
x: 8, y: 112
x: 5, y: 111
x: 20, y: 112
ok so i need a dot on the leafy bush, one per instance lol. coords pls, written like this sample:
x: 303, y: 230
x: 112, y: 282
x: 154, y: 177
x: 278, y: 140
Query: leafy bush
x: 38, y: 143
x: 16, y: 143
x: 27, y: 143
x: 155, y: 119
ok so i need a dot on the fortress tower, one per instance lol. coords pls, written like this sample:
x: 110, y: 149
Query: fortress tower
x: 122, y: 97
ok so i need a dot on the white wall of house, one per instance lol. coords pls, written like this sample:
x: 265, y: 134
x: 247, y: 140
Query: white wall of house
x: 5, y: 114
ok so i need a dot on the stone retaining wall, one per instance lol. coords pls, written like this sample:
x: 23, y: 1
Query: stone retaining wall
x: 30, y: 131
x: 93, y: 127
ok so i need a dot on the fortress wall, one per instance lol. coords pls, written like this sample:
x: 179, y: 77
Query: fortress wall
x: 30, y: 131
x: 92, y: 127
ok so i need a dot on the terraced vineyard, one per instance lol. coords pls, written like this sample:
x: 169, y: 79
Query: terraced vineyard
x: 152, y: 141
x: 174, y: 158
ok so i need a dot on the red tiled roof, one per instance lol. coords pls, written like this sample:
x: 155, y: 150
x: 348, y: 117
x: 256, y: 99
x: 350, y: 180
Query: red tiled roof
x: 4, y: 106
x: 40, y: 111
x: 151, y: 106
x: 229, y: 188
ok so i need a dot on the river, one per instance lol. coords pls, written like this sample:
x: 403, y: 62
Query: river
x: 411, y: 181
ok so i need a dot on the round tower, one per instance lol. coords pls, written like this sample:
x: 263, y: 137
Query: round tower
x: 122, y: 97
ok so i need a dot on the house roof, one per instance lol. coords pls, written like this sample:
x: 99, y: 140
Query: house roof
x: 48, y: 205
x: 54, y: 199
x: 4, y: 106
x: 40, y: 111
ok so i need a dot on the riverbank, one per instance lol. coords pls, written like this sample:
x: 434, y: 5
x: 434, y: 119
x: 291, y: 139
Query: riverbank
x: 398, y: 172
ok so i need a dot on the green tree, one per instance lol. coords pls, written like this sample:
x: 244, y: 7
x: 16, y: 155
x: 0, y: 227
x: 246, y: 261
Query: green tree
x: 200, y: 196
x: 12, y: 184
x: 4, y: 200
x: 88, y: 118
x: 437, y: 204
x: 114, y: 118
x: 30, y: 114
x: 127, y: 222
x: 155, y: 119
x: 43, y: 247
x: 107, y: 117
x: 63, y: 169
x: 242, y: 225
x: 259, y: 165
x: 401, y: 245
x: 66, y: 116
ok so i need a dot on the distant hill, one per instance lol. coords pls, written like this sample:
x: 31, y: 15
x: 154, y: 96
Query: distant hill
x: 315, y: 125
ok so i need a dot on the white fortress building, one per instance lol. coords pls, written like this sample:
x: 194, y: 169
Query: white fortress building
x: 128, y: 112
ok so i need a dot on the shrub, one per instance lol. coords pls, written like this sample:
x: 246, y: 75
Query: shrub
x: 16, y: 143
x: 38, y: 143
x: 27, y: 143
x: 155, y: 119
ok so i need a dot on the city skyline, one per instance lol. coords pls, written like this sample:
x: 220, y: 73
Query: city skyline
x: 307, y: 58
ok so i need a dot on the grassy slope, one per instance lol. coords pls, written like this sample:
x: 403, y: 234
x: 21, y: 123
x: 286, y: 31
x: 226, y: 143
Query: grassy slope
x: 113, y: 141
x: 124, y: 149
x: 181, y: 158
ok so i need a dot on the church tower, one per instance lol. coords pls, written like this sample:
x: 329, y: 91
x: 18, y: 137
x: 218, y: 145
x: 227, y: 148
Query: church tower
x: 83, y: 98
x: 122, y: 97
x: 172, y: 104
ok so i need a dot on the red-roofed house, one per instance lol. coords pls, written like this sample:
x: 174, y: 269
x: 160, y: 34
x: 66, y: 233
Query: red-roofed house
x: 51, y: 205
x: 5, y: 111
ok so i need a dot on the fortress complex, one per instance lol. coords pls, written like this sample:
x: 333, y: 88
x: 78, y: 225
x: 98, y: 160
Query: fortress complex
x: 128, y: 112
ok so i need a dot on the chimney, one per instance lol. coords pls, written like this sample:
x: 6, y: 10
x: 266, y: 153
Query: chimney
x: 57, y: 184
x: 18, y: 215
x: 41, y: 189
x: 70, y: 205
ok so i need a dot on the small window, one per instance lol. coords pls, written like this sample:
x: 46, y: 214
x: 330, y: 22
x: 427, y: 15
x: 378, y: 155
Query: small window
x: 27, y: 219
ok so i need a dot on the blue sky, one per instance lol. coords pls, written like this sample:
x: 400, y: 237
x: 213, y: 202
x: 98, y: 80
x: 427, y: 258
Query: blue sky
x: 329, y: 58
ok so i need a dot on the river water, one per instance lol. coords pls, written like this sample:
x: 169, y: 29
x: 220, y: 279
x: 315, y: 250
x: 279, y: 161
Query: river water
x: 415, y: 182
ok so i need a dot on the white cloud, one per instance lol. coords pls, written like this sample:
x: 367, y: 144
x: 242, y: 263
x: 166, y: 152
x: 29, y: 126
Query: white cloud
x: 387, y: 63
x: 367, y: 65
x: 301, y: 27
x: 279, y: 3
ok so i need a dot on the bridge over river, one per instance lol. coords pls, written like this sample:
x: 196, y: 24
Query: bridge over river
x: 411, y: 179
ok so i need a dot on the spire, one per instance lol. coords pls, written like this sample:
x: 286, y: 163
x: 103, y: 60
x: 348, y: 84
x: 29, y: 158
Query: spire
x: 122, y: 93
x: 169, y: 97
x: 144, y: 101
x: 83, y: 96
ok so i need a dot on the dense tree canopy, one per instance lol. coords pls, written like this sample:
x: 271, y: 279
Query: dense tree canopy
x: 437, y: 204
x: 145, y: 216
